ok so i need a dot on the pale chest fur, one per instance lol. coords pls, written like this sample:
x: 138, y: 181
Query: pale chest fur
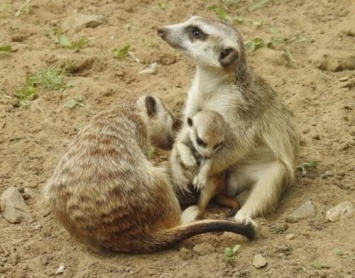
x: 213, y: 93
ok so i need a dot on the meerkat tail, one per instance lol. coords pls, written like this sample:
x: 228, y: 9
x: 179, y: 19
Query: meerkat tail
x: 209, y: 226
x: 160, y: 240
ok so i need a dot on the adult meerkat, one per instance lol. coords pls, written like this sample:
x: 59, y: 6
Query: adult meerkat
x: 208, y: 132
x: 107, y: 194
x: 264, y: 154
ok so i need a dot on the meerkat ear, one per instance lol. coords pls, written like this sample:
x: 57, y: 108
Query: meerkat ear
x: 151, y: 105
x: 190, y: 122
x: 227, y: 57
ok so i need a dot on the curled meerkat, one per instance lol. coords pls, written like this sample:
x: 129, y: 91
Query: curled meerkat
x: 264, y: 155
x: 107, y: 194
x: 193, y: 156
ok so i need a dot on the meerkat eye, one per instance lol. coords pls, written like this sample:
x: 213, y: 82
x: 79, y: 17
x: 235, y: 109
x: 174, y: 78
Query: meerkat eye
x: 200, y: 142
x: 196, y: 32
x: 217, y: 146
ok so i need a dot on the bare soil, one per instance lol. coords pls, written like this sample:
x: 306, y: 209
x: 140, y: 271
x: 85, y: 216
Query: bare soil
x: 318, y: 86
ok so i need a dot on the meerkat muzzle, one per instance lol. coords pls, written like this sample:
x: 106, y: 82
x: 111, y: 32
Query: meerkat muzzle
x: 161, y: 32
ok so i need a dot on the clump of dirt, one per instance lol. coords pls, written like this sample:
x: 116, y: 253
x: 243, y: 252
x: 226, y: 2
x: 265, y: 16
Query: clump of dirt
x: 306, y: 53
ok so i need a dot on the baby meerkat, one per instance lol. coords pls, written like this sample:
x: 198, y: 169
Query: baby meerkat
x: 107, y: 194
x: 208, y: 132
x: 264, y: 154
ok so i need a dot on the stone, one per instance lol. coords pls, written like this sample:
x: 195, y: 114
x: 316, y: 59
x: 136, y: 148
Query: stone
x: 306, y: 210
x: 13, y: 206
x: 290, y: 236
x: 151, y: 69
x: 203, y: 248
x: 259, y: 261
x: 77, y: 22
x: 60, y: 269
x: 340, y: 211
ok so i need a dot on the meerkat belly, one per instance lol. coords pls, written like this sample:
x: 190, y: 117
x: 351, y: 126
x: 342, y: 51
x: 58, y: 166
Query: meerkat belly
x: 245, y: 173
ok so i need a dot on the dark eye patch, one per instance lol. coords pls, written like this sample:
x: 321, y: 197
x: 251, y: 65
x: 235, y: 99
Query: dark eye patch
x: 200, y: 142
x: 195, y: 33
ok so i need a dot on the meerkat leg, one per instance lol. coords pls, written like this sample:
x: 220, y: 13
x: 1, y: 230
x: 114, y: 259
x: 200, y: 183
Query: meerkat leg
x: 200, y: 180
x: 186, y: 155
x: 227, y: 201
x: 264, y: 193
x: 189, y: 215
x: 209, y: 191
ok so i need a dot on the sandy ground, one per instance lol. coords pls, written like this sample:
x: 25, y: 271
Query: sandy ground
x: 317, y: 82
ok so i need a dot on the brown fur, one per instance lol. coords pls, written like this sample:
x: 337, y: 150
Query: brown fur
x: 264, y: 154
x: 107, y: 194
x: 210, y: 127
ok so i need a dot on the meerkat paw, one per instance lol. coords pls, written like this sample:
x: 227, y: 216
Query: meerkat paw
x: 188, y: 160
x: 244, y: 219
x: 199, y: 182
x: 190, y: 214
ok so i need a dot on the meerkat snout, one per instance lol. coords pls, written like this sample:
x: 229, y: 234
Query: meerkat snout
x: 161, y: 32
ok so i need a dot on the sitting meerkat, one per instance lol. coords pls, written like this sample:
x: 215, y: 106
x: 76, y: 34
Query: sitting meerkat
x: 264, y: 155
x: 192, y: 160
x: 107, y: 194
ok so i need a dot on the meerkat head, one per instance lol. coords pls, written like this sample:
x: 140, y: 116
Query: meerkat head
x: 211, y: 43
x: 207, y: 132
x: 159, y: 121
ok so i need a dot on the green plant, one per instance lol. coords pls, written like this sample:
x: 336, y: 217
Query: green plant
x: 150, y: 152
x: 306, y: 166
x: 239, y: 19
x: 26, y: 94
x: 49, y: 78
x: 5, y: 48
x: 231, y: 252
x: 25, y: 8
x: 220, y: 12
x: 76, y: 101
x: 68, y: 67
x: 162, y: 5
x: 64, y: 41
x: 257, y: 5
x: 317, y: 265
x: 254, y: 44
x: 231, y: 3
x: 122, y: 52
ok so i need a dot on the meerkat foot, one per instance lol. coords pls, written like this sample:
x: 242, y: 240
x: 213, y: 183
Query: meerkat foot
x: 244, y: 219
x: 190, y: 214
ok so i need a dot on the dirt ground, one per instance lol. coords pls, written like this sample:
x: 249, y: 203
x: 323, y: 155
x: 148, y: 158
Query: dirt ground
x: 313, y: 71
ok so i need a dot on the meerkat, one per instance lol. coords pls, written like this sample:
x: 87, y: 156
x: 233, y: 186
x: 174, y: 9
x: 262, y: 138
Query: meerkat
x: 207, y: 134
x: 264, y: 154
x: 107, y: 194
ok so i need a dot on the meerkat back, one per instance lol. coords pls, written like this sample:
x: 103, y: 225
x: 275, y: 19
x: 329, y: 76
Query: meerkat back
x: 104, y: 190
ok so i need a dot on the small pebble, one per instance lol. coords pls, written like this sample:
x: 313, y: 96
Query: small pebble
x: 259, y: 261
x: 306, y: 210
x: 342, y: 210
x: 60, y: 269
x: 290, y: 236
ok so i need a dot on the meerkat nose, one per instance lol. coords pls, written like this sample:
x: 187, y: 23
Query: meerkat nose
x: 161, y: 32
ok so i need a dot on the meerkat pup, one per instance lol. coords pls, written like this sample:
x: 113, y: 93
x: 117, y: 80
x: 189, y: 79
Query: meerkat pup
x: 107, y: 194
x: 264, y: 154
x: 207, y: 134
